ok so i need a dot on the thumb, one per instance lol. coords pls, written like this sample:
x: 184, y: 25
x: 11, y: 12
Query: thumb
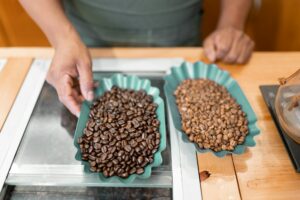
x: 209, y: 49
x: 86, y: 79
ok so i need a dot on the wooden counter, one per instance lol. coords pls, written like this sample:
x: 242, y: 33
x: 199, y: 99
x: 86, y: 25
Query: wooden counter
x: 262, y: 172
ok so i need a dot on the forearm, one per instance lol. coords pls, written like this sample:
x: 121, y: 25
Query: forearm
x: 50, y: 17
x: 234, y: 13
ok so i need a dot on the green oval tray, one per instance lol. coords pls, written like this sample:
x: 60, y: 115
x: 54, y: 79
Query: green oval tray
x: 128, y: 82
x: 212, y: 72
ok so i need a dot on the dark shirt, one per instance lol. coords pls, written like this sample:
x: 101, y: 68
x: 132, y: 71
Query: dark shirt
x: 136, y: 22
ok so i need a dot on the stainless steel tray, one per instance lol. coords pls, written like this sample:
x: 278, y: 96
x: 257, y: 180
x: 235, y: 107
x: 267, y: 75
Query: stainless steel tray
x: 46, y: 154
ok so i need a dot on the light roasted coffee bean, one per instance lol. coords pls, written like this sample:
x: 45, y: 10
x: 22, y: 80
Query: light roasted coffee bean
x: 210, y: 116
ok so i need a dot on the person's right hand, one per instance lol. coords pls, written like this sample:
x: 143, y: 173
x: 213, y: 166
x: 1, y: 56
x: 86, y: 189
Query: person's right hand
x: 72, y: 65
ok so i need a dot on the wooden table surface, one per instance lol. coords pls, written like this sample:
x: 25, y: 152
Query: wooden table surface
x: 262, y: 172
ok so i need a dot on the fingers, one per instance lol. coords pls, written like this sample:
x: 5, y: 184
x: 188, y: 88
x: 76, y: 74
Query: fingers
x: 246, y: 52
x: 228, y: 45
x: 209, y: 48
x: 223, y: 42
x: 235, y: 49
x: 68, y: 95
x: 86, y: 78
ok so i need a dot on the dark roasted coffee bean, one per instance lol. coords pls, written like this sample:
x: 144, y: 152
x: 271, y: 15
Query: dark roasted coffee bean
x: 103, y: 156
x: 157, y: 141
x: 106, y: 173
x: 120, y: 136
x: 154, y: 150
x: 131, y: 130
x: 91, y: 149
x: 96, y: 134
x: 124, y: 175
x: 96, y: 139
x: 123, y: 135
x: 133, y: 143
x: 108, y: 125
x: 140, y: 171
x: 109, y: 164
x: 112, y: 130
x: 97, y: 146
x: 140, y: 159
x: 124, y: 143
x: 150, y: 160
x: 98, y: 160
x: 120, y: 153
x: 137, y: 149
x: 144, y: 143
x: 115, y: 161
x: 103, y: 137
x: 133, y: 159
x: 88, y: 133
x: 92, y: 157
x: 127, y: 148
x: 112, y: 150
x: 132, y: 170
x: 144, y: 164
x: 111, y: 173
x: 93, y: 169
x: 120, y: 171
x: 135, y: 123
x: 112, y: 143
x: 129, y: 112
x: 104, y: 149
x: 139, y: 139
x: 120, y: 122
x: 150, y: 146
x: 93, y: 163
x: 109, y: 156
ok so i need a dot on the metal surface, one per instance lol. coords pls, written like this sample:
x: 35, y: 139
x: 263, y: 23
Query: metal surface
x: 18, y: 117
x: 52, y: 127
x: 46, y: 155
x: 85, y: 193
x: 292, y: 147
x: 186, y: 182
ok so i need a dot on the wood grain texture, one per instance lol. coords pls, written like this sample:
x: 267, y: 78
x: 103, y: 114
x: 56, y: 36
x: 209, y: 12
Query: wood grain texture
x: 222, y: 183
x: 263, y: 171
x: 11, y: 80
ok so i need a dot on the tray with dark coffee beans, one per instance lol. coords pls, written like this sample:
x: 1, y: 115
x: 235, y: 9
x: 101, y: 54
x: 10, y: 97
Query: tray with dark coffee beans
x: 210, y: 109
x: 121, y: 134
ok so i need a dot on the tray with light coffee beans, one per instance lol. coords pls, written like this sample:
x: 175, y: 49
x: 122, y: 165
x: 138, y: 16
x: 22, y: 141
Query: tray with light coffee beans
x: 209, y: 109
x: 122, y: 134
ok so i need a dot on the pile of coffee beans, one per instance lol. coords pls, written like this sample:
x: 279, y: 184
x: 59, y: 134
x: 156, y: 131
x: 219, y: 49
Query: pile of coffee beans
x: 210, y: 116
x: 122, y: 133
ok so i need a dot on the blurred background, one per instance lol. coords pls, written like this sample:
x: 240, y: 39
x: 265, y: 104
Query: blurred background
x: 273, y: 24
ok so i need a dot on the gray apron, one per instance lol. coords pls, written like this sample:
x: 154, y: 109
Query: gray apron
x: 136, y: 22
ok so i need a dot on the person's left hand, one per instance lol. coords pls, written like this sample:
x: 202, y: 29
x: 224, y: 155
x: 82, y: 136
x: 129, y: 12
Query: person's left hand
x: 229, y: 45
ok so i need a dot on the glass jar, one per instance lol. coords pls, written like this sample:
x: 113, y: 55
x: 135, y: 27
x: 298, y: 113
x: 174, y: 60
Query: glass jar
x: 287, y: 105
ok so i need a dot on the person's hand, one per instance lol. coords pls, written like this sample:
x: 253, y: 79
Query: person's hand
x: 71, y: 66
x: 229, y: 45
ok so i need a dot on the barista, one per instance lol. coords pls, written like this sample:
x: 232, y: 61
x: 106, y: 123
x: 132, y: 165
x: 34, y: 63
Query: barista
x: 72, y: 25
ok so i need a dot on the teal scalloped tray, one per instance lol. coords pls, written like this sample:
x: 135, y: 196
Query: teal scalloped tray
x: 212, y: 72
x: 128, y: 82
